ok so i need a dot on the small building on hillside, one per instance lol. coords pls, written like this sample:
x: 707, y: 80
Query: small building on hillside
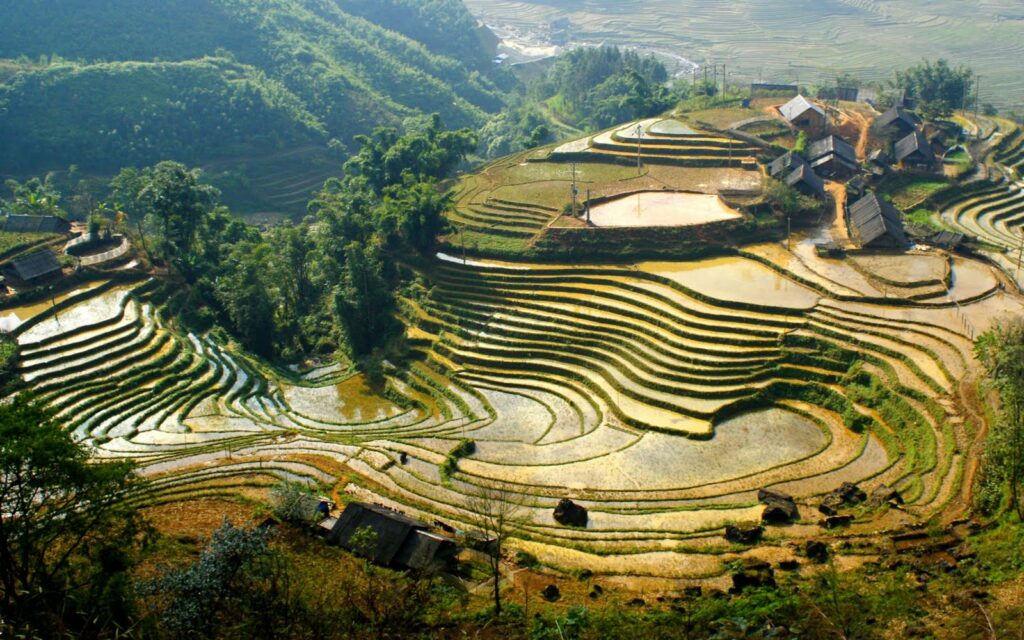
x: 792, y: 169
x: 781, y: 166
x: 803, y: 114
x: 399, y: 542
x: 833, y: 157
x: 875, y: 223
x: 914, y: 151
x: 948, y: 240
x: 36, y: 224
x: 806, y: 181
x: 33, y: 266
x: 847, y: 94
x: 896, y: 120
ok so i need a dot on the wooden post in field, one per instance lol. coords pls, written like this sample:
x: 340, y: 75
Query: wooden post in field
x: 639, y: 139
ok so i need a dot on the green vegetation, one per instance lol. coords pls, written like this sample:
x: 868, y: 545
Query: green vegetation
x: 319, y: 287
x: 67, y: 534
x: 601, y: 87
x: 938, y: 88
x: 1001, y: 351
x: 906, y: 190
x: 211, y: 80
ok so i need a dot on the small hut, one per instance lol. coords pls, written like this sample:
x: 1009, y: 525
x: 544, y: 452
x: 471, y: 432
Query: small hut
x: 400, y: 542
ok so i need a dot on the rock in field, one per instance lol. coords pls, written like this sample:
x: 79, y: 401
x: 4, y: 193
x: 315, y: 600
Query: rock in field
x: 570, y: 514
x: 744, y: 534
x: 754, y: 574
x: 847, y: 494
x: 779, y: 507
x: 551, y: 593
x: 816, y: 551
x: 885, y: 494
x: 833, y: 522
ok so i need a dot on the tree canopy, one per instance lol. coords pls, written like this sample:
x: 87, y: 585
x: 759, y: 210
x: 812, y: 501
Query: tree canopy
x: 938, y: 87
x: 66, y: 532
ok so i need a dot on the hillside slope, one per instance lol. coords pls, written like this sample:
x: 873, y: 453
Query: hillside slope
x: 204, y: 80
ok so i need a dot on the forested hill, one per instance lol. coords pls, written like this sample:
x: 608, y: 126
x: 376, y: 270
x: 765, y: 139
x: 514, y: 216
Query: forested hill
x: 108, y: 83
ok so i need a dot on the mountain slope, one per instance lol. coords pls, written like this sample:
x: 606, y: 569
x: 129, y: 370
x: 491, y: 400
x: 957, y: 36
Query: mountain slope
x: 253, y: 76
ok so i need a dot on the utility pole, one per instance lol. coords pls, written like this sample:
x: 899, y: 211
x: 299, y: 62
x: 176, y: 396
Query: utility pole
x: 724, y: 85
x: 639, y: 140
x: 1020, y: 255
x: 575, y: 190
x: 462, y: 239
x: 588, y: 205
x: 977, y: 104
x: 789, y: 233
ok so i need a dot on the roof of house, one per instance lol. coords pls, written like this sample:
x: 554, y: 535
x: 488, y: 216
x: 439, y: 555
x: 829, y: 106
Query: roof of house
x: 837, y: 161
x: 35, y: 265
x: 806, y: 176
x: 422, y: 549
x: 797, y: 107
x: 832, y: 144
x: 915, y: 143
x: 872, y: 218
x: 36, y: 224
x: 947, y: 239
x: 897, y: 116
x: 785, y: 162
x: 391, y: 528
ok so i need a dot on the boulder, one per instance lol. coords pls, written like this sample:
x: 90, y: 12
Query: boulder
x: 847, y: 494
x: 754, y: 574
x: 780, y: 512
x: 780, y: 508
x: 570, y: 514
x: 884, y: 494
x: 744, y: 534
x: 551, y: 593
x: 816, y: 551
x: 765, y: 496
x: 833, y: 522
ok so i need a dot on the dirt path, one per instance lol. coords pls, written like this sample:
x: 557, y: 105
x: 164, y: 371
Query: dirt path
x: 839, y: 232
x: 865, y: 133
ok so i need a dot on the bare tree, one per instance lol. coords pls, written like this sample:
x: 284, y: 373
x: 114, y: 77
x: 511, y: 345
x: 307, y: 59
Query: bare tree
x: 497, y: 511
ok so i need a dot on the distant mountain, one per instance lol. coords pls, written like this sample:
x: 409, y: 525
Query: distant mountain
x: 108, y: 83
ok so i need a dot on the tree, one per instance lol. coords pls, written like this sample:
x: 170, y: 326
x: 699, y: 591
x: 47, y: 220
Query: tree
x: 213, y: 592
x: 364, y: 300
x: 67, y: 535
x: 938, y: 87
x: 497, y: 511
x: 1001, y: 352
x: 174, y: 196
x: 35, y: 197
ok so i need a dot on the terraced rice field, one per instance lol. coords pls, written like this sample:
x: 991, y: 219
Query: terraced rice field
x: 504, y: 208
x: 806, y: 42
x: 661, y: 396
x: 661, y: 209
x: 661, y: 141
x: 992, y: 210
